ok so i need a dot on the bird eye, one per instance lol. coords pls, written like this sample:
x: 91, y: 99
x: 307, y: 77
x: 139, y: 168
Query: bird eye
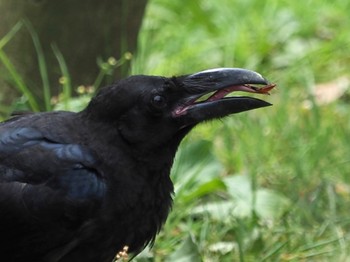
x: 159, y: 101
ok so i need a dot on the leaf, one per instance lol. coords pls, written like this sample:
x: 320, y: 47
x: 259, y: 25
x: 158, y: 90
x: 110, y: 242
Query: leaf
x: 220, y: 210
x: 197, y: 152
x: 203, y: 189
x: 265, y: 203
x: 239, y: 187
x: 195, y: 171
x: 270, y: 204
x: 188, y: 251
x: 74, y: 104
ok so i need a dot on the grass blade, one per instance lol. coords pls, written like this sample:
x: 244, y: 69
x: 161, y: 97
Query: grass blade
x: 20, y: 85
x: 65, y: 80
x: 42, y: 65
x: 10, y: 35
x: 274, y: 251
x: 319, y: 244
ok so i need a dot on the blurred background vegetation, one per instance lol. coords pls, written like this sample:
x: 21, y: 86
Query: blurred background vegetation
x: 267, y: 185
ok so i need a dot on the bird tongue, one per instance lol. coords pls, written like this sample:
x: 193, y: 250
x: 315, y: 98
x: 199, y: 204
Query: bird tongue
x: 246, y: 88
x: 225, y: 91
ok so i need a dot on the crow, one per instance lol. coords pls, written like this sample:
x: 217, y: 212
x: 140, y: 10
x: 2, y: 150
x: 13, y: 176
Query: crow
x: 83, y: 186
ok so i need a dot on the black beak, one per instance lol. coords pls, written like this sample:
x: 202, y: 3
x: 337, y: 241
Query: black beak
x: 220, y: 82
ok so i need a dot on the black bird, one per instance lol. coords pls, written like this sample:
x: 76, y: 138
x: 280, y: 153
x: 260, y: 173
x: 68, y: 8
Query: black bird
x: 81, y: 186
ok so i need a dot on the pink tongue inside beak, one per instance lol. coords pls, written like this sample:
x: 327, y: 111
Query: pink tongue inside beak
x: 223, y: 92
x: 246, y: 88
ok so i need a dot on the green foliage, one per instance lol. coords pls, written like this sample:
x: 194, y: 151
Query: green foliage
x: 66, y: 100
x: 266, y: 185
x: 271, y: 184
x: 42, y: 66
x: 16, y: 78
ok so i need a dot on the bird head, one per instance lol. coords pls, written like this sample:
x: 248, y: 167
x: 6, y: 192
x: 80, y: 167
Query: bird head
x: 153, y: 111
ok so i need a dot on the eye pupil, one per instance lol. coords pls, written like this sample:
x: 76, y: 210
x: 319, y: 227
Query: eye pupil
x: 159, y: 101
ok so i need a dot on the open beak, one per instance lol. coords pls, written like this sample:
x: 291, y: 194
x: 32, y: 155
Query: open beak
x: 216, y: 84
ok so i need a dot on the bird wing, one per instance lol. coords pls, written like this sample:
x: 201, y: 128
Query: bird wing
x: 28, y: 156
x: 46, y: 177
x: 46, y: 186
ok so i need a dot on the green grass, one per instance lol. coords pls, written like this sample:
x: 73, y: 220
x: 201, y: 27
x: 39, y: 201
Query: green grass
x: 267, y: 185
x: 65, y: 99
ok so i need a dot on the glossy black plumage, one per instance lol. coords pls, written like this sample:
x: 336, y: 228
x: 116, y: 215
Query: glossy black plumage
x: 81, y: 186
